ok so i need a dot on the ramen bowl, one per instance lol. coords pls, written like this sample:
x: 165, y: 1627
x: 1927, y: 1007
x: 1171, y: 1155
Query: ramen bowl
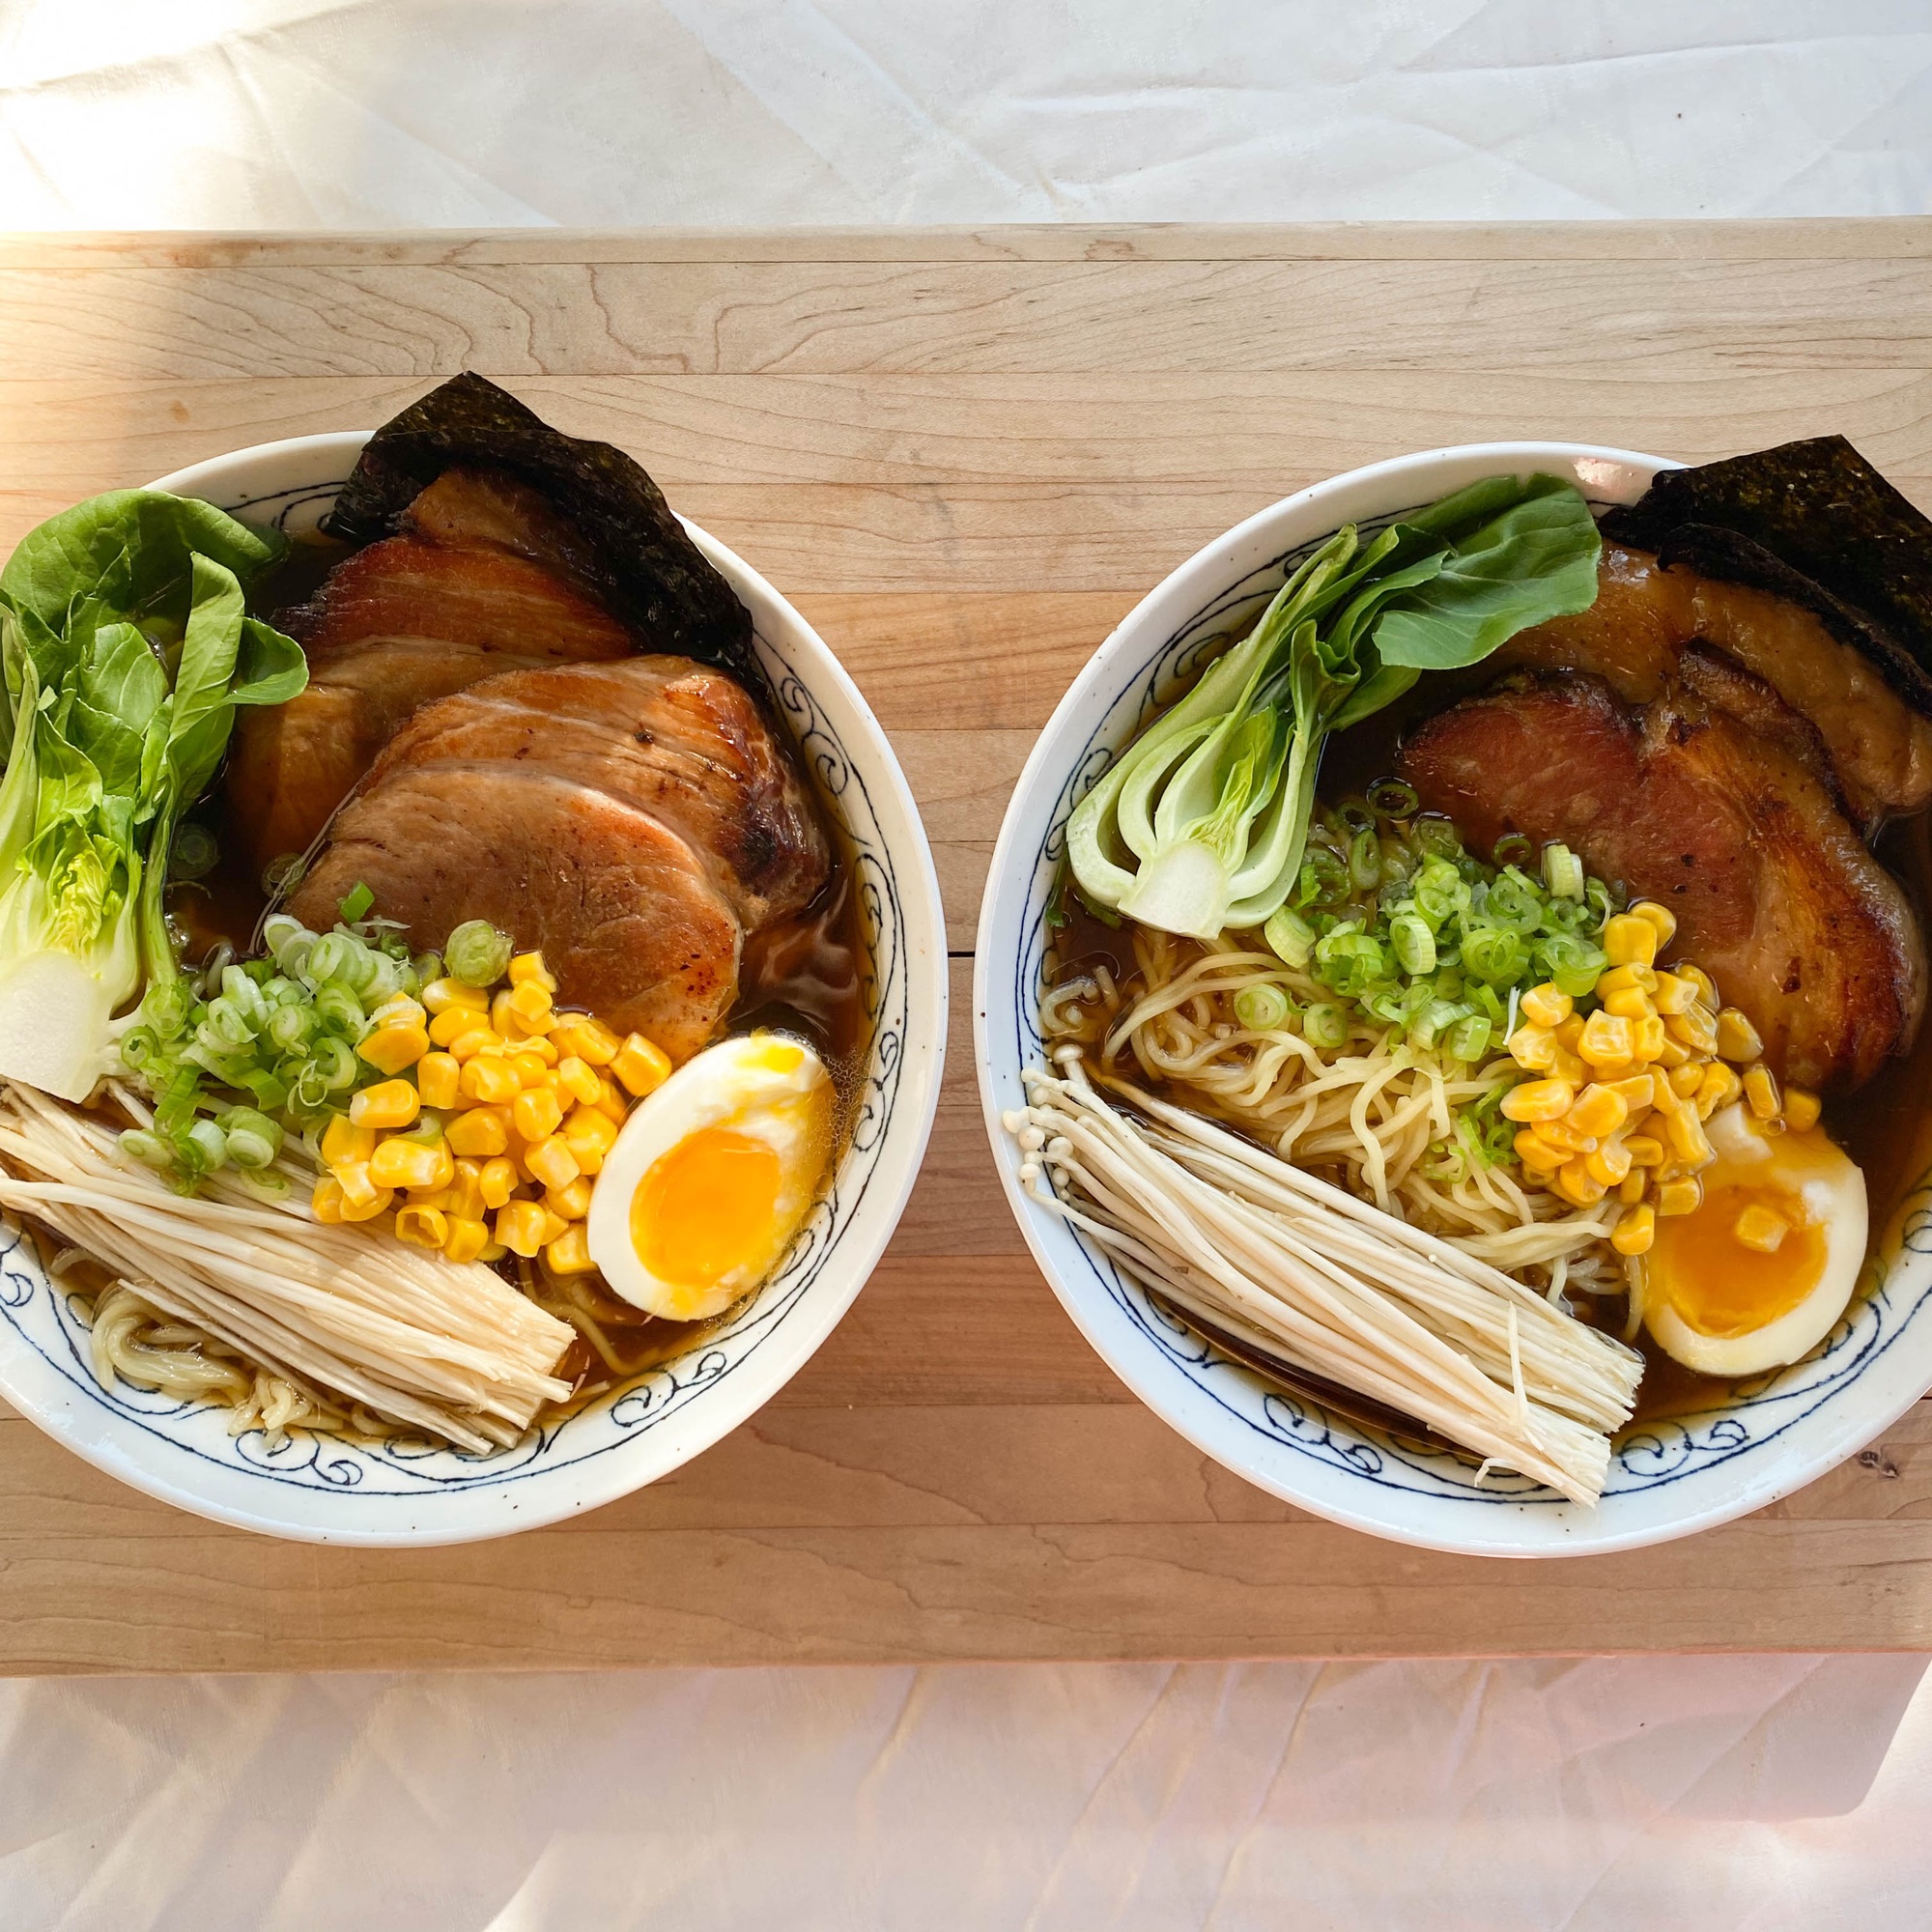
x: 1667, y: 1478
x: 328, y: 1489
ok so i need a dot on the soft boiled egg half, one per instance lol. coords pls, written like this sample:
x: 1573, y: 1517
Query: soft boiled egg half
x: 1756, y: 1277
x: 712, y: 1176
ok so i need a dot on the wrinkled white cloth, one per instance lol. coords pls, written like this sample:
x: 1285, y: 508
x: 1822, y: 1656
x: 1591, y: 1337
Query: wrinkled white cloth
x: 486, y: 113
x: 1595, y: 1797
x: 1760, y: 1792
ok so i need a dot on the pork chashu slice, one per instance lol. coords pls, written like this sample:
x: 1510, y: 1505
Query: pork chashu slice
x: 399, y: 623
x: 1776, y: 895
x: 1646, y: 617
x: 669, y: 736
x: 628, y: 916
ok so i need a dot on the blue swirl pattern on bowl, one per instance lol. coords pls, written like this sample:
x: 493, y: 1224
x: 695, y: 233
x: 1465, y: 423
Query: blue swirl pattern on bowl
x: 47, y: 1320
x: 1646, y: 1457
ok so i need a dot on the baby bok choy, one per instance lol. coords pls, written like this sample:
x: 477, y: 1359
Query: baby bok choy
x: 1199, y: 826
x: 126, y: 649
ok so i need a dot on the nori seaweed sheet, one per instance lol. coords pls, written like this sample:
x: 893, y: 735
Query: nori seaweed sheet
x: 646, y: 570
x: 1815, y: 524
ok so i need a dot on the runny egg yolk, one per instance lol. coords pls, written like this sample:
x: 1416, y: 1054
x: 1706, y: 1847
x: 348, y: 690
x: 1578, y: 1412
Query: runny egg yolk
x: 1723, y: 1285
x: 706, y: 1207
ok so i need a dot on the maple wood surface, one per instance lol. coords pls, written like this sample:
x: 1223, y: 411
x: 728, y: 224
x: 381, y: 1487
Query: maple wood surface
x: 965, y: 455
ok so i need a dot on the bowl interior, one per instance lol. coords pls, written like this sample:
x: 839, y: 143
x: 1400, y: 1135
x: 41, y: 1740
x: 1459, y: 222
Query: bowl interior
x: 1667, y: 1478
x: 333, y: 1490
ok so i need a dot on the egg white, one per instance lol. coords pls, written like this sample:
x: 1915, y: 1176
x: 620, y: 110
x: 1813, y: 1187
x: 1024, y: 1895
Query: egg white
x: 762, y: 1085
x: 1833, y: 1192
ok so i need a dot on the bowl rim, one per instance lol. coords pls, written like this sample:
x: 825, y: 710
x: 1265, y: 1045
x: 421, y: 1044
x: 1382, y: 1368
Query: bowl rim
x: 826, y: 1299
x: 1192, y: 587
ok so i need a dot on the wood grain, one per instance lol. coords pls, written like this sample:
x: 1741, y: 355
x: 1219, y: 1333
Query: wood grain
x: 967, y: 454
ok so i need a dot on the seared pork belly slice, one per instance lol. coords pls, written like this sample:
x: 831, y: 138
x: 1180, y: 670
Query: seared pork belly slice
x: 627, y: 914
x: 485, y: 506
x: 1774, y: 893
x: 669, y: 736
x: 392, y: 627
x: 1645, y: 616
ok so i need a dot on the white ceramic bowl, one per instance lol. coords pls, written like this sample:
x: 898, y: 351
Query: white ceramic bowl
x: 1666, y: 1479
x: 326, y: 1491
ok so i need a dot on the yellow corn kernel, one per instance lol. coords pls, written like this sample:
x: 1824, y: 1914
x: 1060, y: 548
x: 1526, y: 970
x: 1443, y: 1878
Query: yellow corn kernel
x: 1630, y: 977
x: 468, y: 1238
x: 1599, y: 1110
x: 1568, y: 1030
x: 1637, y: 1090
x: 572, y: 1203
x: 570, y: 1252
x: 614, y: 1100
x: 490, y: 1079
x: 1718, y: 1088
x: 1629, y: 1190
x: 1761, y: 1092
x: 1650, y: 1038
x: 587, y: 1037
x: 556, y: 1227
x: 466, y: 1192
x: 530, y: 1000
x: 1696, y: 1027
x: 1536, y: 1153
x: 353, y: 1177
x: 1737, y: 1038
x: 527, y: 968
x: 1577, y: 1185
x: 326, y: 1203
x: 542, y: 1045
x: 552, y: 1162
x: 394, y: 1049
x: 452, y: 1023
x: 536, y: 1114
x: 477, y: 1042
x: 1567, y: 1066
x: 342, y: 1141
x: 1707, y: 987
x: 1672, y: 1054
x: 520, y: 1227
x: 1760, y: 1229
x: 422, y: 1227
x: 430, y: 1197
x: 1644, y: 1149
x: 502, y: 1015
x: 641, y: 1065
x: 531, y: 1071
x: 406, y: 1163
x: 1673, y: 993
x: 590, y: 1133
x: 1608, y: 1040
x: 1660, y: 916
x: 1561, y: 1135
x: 1684, y: 1196
x: 442, y: 996
x: 1629, y: 941
x: 1630, y: 1003
x: 1610, y: 1164
x: 497, y: 1181
x: 480, y: 1132
x: 581, y: 1080
x: 1635, y: 1229
x: 1684, y: 1133
x: 1686, y: 1080
x: 1539, y: 1100
x: 1801, y: 1109
x: 1547, y: 1004
x: 1533, y: 1048
x: 399, y: 1010
x: 437, y: 1078
x: 370, y: 1211
x: 390, y: 1103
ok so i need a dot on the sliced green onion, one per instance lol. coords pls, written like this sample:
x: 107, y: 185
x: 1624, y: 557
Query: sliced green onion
x: 1413, y: 941
x: 477, y: 953
x: 1393, y: 798
x: 194, y: 853
x: 1562, y: 870
x: 1290, y: 937
x: 357, y: 903
x: 1324, y: 1026
x: 1469, y: 1039
x: 1262, y: 1007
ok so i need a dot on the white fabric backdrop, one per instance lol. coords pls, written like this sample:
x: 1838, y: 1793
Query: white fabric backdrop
x: 1766, y: 1793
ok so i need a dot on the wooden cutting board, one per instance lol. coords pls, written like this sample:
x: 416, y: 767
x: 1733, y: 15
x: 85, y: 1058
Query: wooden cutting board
x: 966, y: 455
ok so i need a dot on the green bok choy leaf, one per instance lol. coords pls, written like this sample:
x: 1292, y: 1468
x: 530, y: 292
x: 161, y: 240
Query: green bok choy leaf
x: 126, y: 649
x: 1199, y: 826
